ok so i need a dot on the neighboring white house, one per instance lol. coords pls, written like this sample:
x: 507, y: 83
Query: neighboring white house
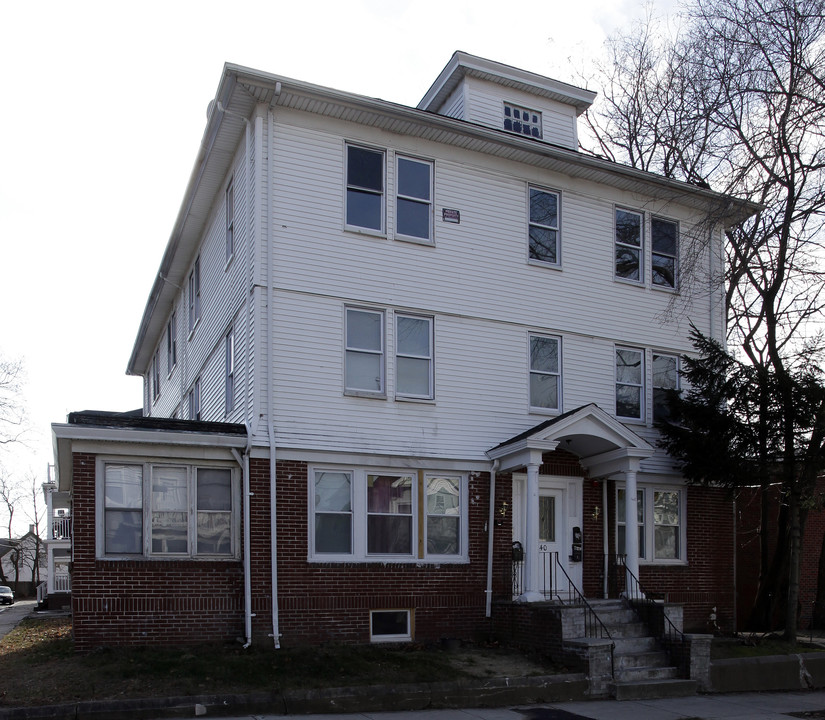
x: 436, y: 324
x: 24, y: 562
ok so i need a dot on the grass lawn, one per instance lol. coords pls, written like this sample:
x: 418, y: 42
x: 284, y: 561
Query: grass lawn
x: 38, y: 666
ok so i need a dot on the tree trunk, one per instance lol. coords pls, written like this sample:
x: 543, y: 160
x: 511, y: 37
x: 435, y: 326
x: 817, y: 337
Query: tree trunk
x: 770, y: 596
x: 792, y: 608
x: 818, y: 620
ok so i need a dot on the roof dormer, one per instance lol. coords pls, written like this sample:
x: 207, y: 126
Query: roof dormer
x: 503, y: 97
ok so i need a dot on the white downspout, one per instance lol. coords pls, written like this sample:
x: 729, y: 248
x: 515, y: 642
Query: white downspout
x: 605, y: 540
x: 490, y: 525
x: 247, y: 538
x: 270, y: 262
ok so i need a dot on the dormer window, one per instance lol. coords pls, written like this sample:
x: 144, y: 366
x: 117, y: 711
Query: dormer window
x: 522, y: 121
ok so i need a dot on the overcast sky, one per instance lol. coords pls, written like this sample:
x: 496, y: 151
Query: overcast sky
x: 104, y: 105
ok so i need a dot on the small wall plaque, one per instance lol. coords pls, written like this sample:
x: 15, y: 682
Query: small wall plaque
x: 451, y: 216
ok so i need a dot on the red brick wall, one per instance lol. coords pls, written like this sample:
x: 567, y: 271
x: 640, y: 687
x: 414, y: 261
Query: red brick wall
x: 139, y: 602
x: 706, y: 582
x: 747, y: 547
x: 331, y: 602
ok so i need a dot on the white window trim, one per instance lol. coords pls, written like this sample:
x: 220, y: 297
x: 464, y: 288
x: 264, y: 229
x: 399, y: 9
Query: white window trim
x: 522, y: 108
x: 536, y: 261
x: 229, y: 372
x: 642, y: 246
x: 431, y: 357
x: 359, y: 513
x: 644, y: 387
x: 649, y: 526
x: 194, y: 290
x: 193, y: 399
x: 382, y: 232
x: 392, y: 638
x: 171, y: 344
x: 653, y: 284
x: 155, y: 375
x: 229, y: 207
x: 360, y: 392
x: 147, y: 463
x: 653, y: 355
x: 430, y: 239
x: 559, y: 375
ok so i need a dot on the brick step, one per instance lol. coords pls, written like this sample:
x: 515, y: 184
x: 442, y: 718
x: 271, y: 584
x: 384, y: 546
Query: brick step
x: 652, y: 689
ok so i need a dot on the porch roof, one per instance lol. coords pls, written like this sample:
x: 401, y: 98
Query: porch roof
x: 603, y: 445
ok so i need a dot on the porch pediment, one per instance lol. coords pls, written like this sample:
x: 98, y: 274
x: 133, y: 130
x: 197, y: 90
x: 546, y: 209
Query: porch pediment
x: 603, y: 445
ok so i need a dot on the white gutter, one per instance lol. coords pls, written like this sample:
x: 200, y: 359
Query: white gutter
x: 491, y: 523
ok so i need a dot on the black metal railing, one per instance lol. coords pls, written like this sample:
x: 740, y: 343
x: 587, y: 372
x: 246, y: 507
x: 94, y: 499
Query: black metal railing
x: 652, y: 613
x: 557, y: 585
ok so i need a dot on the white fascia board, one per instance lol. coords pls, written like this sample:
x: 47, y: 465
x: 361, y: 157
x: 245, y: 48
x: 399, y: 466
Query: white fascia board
x: 404, y: 462
x: 92, y: 433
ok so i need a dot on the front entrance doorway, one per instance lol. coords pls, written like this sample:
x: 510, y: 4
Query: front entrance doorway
x: 560, y: 502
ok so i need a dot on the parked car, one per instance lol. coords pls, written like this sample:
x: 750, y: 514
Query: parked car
x: 6, y: 595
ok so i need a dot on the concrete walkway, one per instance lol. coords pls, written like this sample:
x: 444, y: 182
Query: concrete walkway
x: 10, y: 615
x: 745, y: 706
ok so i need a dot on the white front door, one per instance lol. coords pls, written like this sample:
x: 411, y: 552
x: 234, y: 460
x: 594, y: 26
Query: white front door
x: 551, y: 533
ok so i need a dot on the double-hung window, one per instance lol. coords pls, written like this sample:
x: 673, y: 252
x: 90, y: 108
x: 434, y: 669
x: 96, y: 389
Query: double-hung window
x: 364, y: 351
x: 413, y: 356
x: 545, y: 372
x: 230, y: 218
x: 544, y: 226
x: 660, y: 523
x: 171, y: 344
x: 665, y: 380
x: 629, y: 244
x: 413, y: 205
x: 364, y: 514
x: 160, y: 510
x: 194, y: 401
x: 195, y: 294
x: 229, y: 371
x: 156, y: 375
x: 630, y: 387
x: 365, y: 188
x: 664, y: 235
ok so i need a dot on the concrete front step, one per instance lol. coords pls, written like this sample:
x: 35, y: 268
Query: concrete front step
x: 645, y: 674
x: 656, y: 658
x: 625, y: 646
x: 652, y: 689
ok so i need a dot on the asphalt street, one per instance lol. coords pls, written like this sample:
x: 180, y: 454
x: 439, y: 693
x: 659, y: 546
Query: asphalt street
x: 739, y: 706
x: 10, y: 615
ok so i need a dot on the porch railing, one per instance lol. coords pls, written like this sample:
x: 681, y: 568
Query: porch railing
x: 61, y: 528
x: 62, y: 582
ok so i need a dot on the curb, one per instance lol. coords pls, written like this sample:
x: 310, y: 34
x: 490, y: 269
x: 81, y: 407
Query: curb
x: 462, y: 693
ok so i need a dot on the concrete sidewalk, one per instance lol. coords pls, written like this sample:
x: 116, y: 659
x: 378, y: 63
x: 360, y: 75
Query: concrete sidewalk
x: 744, y: 706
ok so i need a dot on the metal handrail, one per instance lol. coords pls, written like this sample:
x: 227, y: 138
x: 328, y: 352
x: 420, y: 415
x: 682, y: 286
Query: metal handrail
x: 636, y: 593
x: 592, y: 622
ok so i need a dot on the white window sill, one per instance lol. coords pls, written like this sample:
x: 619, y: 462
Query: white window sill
x: 366, y: 394
x: 369, y: 232
x: 426, y: 242
x: 542, y: 264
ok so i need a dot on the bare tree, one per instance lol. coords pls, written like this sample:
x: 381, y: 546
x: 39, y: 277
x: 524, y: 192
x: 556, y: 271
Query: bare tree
x: 12, y: 413
x: 734, y: 98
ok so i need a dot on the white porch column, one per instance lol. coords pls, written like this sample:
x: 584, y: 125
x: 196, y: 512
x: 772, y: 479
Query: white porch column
x: 631, y: 534
x: 532, y: 579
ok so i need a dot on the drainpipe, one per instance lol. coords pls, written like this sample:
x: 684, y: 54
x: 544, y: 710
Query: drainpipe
x: 270, y: 414
x: 605, y: 541
x: 490, y: 525
x: 247, y: 537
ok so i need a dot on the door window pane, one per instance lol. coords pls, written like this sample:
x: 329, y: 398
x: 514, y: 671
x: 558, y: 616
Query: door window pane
x: 547, y: 518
